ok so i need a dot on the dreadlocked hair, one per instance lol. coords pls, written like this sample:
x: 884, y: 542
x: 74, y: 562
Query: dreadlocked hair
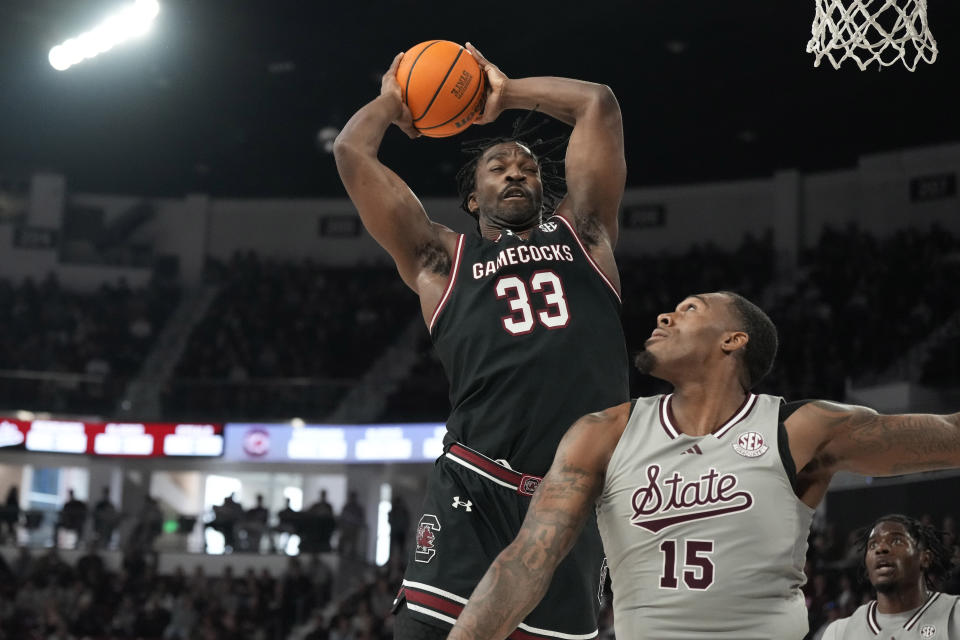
x: 543, y: 150
x: 927, y: 537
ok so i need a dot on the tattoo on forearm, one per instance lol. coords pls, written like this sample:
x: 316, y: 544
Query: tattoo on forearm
x: 917, y: 434
x: 521, y: 574
x: 897, y: 443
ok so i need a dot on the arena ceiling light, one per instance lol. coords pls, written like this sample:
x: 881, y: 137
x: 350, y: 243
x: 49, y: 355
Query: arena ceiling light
x: 130, y: 22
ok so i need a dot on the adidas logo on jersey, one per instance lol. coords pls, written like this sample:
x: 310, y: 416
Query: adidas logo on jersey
x: 694, y: 449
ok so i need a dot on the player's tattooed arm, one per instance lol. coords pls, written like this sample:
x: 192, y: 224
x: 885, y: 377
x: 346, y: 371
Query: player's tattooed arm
x: 389, y: 210
x: 519, y: 577
x: 858, y: 439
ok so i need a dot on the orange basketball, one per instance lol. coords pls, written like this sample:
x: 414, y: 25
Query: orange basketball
x: 443, y: 86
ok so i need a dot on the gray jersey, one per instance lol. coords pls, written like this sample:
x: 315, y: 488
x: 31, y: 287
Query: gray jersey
x: 937, y: 619
x: 704, y: 536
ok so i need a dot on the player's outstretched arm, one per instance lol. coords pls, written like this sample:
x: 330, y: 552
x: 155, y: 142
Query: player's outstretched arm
x: 841, y: 437
x: 596, y: 168
x: 518, y: 579
x: 388, y: 208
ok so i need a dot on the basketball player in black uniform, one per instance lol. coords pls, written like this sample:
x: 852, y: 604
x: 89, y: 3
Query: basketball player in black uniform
x: 704, y: 496
x: 525, y: 319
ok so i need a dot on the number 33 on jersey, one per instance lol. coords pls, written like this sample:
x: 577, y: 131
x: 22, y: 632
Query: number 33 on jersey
x: 521, y: 314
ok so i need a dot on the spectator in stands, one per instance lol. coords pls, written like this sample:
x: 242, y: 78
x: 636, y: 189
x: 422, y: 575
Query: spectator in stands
x: 105, y: 519
x: 340, y: 628
x: 90, y: 567
x: 51, y: 329
x: 183, y: 618
x: 296, y: 594
x: 226, y: 518
x: 319, y: 526
x: 72, y: 517
x: 399, y: 521
x: 288, y: 524
x: 23, y: 565
x: 294, y: 319
x: 10, y: 515
x: 148, y: 526
x: 381, y: 598
x: 352, y: 524
x: 254, y: 525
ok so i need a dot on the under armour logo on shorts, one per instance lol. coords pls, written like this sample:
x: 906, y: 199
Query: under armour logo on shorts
x: 466, y: 505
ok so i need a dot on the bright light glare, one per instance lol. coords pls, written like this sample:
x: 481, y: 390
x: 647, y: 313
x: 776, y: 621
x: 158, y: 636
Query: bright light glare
x: 128, y: 23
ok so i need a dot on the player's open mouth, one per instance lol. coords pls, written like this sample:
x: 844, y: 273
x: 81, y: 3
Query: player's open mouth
x: 514, y: 192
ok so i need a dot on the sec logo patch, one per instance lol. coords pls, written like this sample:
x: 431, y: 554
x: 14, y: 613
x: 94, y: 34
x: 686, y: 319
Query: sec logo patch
x: 750, y: 444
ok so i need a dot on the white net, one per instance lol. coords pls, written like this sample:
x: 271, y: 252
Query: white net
x: 868, y: 31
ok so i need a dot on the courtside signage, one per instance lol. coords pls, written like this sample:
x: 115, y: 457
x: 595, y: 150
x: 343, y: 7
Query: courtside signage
x: 130, y: 439
x: 359, y: 443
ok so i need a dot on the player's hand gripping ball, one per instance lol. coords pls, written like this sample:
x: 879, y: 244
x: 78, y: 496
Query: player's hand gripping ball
x: 443, y: 86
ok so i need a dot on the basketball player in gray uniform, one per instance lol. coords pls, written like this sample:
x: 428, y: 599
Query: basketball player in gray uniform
x: 704, y: 496
x: 904, y: 559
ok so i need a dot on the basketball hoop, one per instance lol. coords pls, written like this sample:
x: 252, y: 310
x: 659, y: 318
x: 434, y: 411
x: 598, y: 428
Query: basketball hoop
x: 867, y: 31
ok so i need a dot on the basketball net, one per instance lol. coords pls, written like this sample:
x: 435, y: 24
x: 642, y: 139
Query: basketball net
x: 867, y: 31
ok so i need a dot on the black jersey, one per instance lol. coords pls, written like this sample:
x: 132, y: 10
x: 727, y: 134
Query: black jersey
x: 529, y: 334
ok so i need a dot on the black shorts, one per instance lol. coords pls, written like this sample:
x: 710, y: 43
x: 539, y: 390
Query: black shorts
x: 473, y: 509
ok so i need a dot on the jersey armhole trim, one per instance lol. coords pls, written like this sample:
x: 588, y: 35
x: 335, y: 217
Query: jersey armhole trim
x: 453, y: 278
x: 589, y: 257
x: 616, y: 449
x: 783, y: 439
x: 783, y: 447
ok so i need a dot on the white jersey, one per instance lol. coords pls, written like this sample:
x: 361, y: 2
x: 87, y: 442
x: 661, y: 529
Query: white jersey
x: 704, y: 536
x: 937, y: 619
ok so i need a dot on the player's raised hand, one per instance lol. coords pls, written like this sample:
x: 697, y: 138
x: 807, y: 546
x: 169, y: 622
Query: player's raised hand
x: 496, y: 80
x: 390, y: 87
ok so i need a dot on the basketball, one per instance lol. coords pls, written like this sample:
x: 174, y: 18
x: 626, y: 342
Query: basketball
x: 443, y: 86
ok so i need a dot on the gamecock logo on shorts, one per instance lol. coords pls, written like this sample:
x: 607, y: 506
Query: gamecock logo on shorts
x: 529, y: 484
x: 427, y: 538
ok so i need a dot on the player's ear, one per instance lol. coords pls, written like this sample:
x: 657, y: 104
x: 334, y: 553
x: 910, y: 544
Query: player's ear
x: 925, y: 559
x: 734, y: 341
x: 472, y: 203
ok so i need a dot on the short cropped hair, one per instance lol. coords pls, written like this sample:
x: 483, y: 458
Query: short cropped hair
x: 761, y: 350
